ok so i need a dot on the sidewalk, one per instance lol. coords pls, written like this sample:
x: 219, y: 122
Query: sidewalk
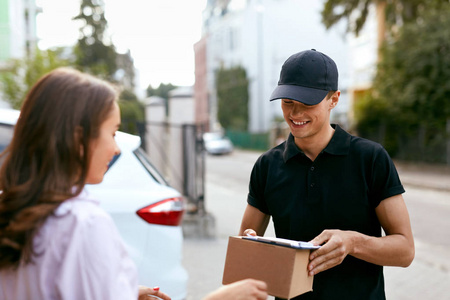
x: 429, y: 274
x: 426, y: 278
x: 424, y: 175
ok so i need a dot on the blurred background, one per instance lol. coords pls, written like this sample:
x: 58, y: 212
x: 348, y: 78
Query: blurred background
x: 224, y: 57
x: 188, y: 68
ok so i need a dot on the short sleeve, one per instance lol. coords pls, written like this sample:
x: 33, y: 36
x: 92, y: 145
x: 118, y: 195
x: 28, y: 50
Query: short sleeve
x: 257, y: 186
x: 385, y: 180
x: 96, y: 264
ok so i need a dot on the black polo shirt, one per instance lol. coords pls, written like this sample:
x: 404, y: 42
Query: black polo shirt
x: 339, y: 190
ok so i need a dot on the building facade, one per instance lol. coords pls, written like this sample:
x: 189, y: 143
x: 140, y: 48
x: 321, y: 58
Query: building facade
x: 17, y: 28
x: 202, y: 107
x: 364, y: 56
x: 18, y: 37
x: 260, y: 35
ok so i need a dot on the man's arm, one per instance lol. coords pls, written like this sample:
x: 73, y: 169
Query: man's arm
x: 254, y: 219
x: 394, y: 249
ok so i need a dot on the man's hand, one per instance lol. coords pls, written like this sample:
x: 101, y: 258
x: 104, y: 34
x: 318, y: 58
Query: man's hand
x: 336, y: 245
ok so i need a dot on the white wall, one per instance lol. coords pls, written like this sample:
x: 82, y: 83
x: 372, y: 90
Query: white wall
x: 18, y: 28
x: 157, y: 134
x: 181, y: 111
x: 165, y: 143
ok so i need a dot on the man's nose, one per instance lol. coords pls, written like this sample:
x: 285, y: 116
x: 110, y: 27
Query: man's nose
x: 297, y: 109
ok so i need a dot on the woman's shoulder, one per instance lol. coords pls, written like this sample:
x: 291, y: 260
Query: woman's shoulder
x: 80, y: 214
x: 79, y: 220
x: 82, y: 206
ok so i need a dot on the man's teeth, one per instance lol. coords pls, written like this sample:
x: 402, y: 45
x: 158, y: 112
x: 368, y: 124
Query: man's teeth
x: 299, y: 123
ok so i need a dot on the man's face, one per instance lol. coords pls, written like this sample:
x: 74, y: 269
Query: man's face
x: 307, y: 121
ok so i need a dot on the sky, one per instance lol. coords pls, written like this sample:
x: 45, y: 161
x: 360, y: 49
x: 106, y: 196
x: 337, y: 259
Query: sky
x: 159, y: 33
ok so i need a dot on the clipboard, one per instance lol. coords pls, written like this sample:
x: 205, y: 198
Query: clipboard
x: 282, y: 242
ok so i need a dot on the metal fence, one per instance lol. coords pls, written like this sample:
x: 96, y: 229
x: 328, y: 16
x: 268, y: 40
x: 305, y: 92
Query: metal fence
x: 177, y: 151
x: 247, y: 140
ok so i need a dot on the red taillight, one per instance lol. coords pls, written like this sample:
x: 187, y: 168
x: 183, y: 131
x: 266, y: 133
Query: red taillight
x: 166, y: 212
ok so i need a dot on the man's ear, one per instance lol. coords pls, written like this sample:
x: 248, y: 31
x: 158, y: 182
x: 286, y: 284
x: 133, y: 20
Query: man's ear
x: 335, y: 99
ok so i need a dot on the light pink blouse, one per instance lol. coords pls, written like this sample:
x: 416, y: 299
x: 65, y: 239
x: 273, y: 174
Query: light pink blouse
x: 80, y: 256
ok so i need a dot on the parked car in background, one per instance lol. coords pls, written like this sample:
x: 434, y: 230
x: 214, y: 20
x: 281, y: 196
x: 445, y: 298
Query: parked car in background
x: 146, y: 210
x: 8, y: 118
x: 217, y: 143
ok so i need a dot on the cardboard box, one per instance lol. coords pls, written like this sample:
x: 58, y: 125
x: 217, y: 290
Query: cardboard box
x: 284, y: 269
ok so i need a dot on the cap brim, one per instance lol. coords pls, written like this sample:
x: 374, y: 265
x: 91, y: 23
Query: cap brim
x: 305, y: 95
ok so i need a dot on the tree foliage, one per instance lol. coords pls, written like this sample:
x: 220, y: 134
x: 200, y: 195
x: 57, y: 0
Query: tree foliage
x: 161, y: 91
x: 94, y: 51
x: 132, y: 112
x: 411, y: 90
x: 21, y: 74
x: 232, y: 94
x: 355, y: 12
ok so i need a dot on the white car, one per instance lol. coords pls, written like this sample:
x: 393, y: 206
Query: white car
x: 217, y: 143
x: 146, y: 210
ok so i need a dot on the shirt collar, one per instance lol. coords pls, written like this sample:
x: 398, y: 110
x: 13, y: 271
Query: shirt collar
x: 338, y: 145
x: 290, y: 149
x: 340, y: 142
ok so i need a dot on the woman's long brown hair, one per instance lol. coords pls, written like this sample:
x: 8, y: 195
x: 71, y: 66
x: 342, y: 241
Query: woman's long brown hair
x: 46, y: 162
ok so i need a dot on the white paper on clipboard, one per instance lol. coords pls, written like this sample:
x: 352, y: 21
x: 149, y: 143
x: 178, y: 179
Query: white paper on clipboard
x: 282, y: 242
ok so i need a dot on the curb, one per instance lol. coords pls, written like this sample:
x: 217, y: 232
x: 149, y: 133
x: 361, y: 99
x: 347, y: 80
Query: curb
x: 425, y: 185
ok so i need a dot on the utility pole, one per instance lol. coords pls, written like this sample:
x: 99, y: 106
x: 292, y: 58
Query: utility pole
x: 260, y: 65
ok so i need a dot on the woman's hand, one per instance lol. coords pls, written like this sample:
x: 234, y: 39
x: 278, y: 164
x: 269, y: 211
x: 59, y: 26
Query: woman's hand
x: 146, y: 293
x: 249, y: 232
x: 247, y: 289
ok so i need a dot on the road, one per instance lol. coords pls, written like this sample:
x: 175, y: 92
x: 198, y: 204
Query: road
x: 227, y: 179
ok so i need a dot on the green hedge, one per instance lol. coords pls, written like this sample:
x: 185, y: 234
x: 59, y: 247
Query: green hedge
x: 247, y: 140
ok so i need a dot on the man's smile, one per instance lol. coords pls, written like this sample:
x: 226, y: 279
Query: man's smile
x: 298, y: 123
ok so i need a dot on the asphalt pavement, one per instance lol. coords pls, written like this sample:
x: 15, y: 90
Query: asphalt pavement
x: 428, y: 277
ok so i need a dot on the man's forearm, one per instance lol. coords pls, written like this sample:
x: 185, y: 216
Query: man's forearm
x: 390, y: 250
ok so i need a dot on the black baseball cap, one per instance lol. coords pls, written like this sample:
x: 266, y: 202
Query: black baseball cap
x: 306, y: 77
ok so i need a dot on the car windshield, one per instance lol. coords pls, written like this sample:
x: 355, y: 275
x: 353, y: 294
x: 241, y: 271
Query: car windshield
x: 213, y: 137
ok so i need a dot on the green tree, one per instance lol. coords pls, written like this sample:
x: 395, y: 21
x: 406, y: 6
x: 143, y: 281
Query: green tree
x: 161, y: 91
x: 396, y: 12
x: 232, y: 94
x: 412, y: 88
x: 132, y: 112
x: 94, y: 51
x: 21, y: 74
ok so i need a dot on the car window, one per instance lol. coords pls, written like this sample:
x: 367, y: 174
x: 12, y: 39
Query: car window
x: 115, y: 158
x: 6, y: 134
x: 145, y: 161
x: 212, y: 137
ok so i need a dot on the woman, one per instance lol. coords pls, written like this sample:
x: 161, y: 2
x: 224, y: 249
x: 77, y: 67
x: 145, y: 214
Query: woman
x: 55, y: 240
